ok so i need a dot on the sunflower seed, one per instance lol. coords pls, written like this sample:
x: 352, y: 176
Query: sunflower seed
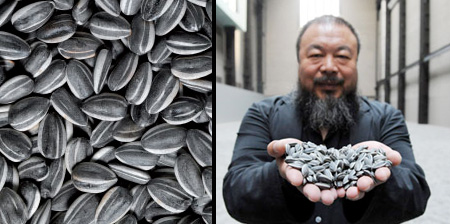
x: 139, y: 86
x: 13, y: 47
x: 43, y: 213
x: 193, y: 19
x: 187, y: 43
x: 202, y: 118
x: 68, y: 107
x: 167, y: 160
x: 110, y: 6
x: 131, y: 174
x: 113, y: 206
x: 210, y: 127
x: 105, y: 107
x: 102, y: 134
x: 189, y: 175
x: 192, y: 67
x: 107, y: 27
x: 134, y: 155
x: 58, y: 29
x: 39, y: 59
x: 164, y: 172
x: 143, y: 36
x: 14, y: 145
x: 82, y: 209
x: 65, y: 196
x: 82, y: 11
x: 92, y: 177
x: 127, y: 219
x: 28, y: 112
x: 58, y: 218
x: 12, y: 178
x: 50, y: 186
x: 6, y: 10
x: 169, y: 194
x: 52, y: 78
x: 190, y: 219
x: 32, y: 16
x: 200, y: 146
x: 141, y: 198
x: 3, y: 171
x: 33, y: 168
x: 16, y: 88
x: 31, y: 195
x: 14, y: 210
x: 130, y: 7
x: 207, y: 180
x: 126, y: 130
x: 199, y: 204
x: 78, y: 47
x: 170, y: 18
x: 79, y: 79
x: 52, y: 138
x: 153, y: 9
x: 141, y: 117
x: 102, y: 65
x: 123, y: 72
x: 159, y: 52
x: 182, y: 110
x: 78, y: 149
x: 164, y: 89
x: 154, y: 210
x: 105, y: 154
x: 63, y: 4
x: 199, y: 85
x: 164, y: 138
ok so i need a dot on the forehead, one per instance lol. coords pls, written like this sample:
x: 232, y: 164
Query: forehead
x: 328, y: 34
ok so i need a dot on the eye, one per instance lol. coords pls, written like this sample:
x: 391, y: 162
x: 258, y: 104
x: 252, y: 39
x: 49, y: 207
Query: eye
x: 343, y: 56
x: 315, y: 56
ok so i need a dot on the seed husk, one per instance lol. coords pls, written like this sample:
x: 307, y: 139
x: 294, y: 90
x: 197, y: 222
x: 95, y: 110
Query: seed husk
x: 128, y: 173
x: 199, y: 85
x: 113, y: 206
x: 143, y: 36
x: 111, y: 7
x: 68, y: 107
x: 183, y: 43
x: 207, y: 180
x: 164, y: 139
x: 105, y: 155
x: 14, y: 145
x: 92, y: 177
x: 128, y: 219
x: 139, y: 86
x: 78, y: 47
x: 58, y: 29
x: 52, y: 78
x: 50, y: 186
x: 200, y: 146
x: 192, y: 67
x: 164, y: 88
x: 6, y: 11
x: 66, y: 195
x: 182, y: 110
x: 82, y: 209
x: 105, y: 107
x: 63, y: 4
x: 52, y: 138
x: 141, y: 117
x: 14, y: 210
x: 193, y: 19
x: 169, y: 195
x: 33, y: 168
x: 108, y: 27
x: 43, y: 213
x: 15, y: 88
x: 130, y: 7
x: 102, y: 65
x: 39, y: 59
x: 31, y: 195
x: 159, y: 52
x: 141, y: 198
x: 14, y: 47
x: 102, y: 134
x: 82, y: 11
x: 77, y: 150
x: 32, y: 16
x: 123, y: 72
x: 153, y: 9
x: 170, y: 18
x: 79, y: 79
x: 189, y: 175
x: 134, y: 155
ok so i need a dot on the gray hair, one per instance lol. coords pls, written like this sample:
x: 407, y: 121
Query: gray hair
x: 327, y: 19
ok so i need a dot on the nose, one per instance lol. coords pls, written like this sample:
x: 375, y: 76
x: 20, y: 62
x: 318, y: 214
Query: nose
x: 328, y: 65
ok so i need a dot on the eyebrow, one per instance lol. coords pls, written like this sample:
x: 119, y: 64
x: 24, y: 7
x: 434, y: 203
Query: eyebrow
x: 342, y: 47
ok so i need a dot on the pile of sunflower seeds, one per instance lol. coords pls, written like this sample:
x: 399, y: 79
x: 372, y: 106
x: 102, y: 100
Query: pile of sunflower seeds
x: 334, y: 168
x: 105, y: 111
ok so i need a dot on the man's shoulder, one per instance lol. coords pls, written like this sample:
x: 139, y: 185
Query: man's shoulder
x: 274, y: 102
x: 376, y: 107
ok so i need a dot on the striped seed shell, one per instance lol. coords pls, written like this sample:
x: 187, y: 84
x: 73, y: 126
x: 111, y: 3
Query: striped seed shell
x: 190, y: 219
x: 153, y: 9
x: 102, y: 134
x: 207, y: 28
x: 117, y: 48
x: 164, y: 172
x: 111, y: 7
x: 202, y: 118
x: 12, y: 178
x: 139, y: 86
x: 90, y: 61
x: 34, y: 130
x: 69, y: 129
x: 199, y: 204
x: 105, y: 155
x: 128, y: 173
x: 82, y: 209
x: 92, y: 177
x: 3, y: 171
x: 169, y: 194
x: 127, y: 219
x: 4, y: 110
x: 130, y: 7
x: 52, y: 78
x: 113, y: 206
x: 58, y: 29
x: 31, y: 195
x: 154, y: 210
x: 200, y: 146
x: 68, y: 107
x: 33, y: 168
x: 141, y: 116
x: 126, y: 130
x: 141, y: 198
x: 39, y: 59
x: 101, y: 68
x: 159, y: 52
x: 14, y: 210
x: 32, y: 16
x: 199, y: 85
x: 108, y: 27
x: 167, y: 21
x: 78, y: 47
x: 58, y: 218
x: 65, y: 196
x: 78, y: 149
x: 192, y: 67
x: 201, y: 3
x: 209, y: 9
x: 79, y: 79
x: 14, y: 145
x: 13, y: 47
x: 134, y: 155
x: 143, y: 36
x: 167, y: 160
x: 15, y: 88
x: 164, y: 88
x: 207, y: 180
x: 182, y: 110
x: 51, y: 185
x: 52, y: 137
x: 105, y: 107
x: 123, y: 71
x: 208, y: 106
x: 210, y: 127
x: 6, y: 64
x: 193, y: 19
x: 82, y: 11
x: 164, y: 138
x: 43, y: 213
x: 6, y: 11
x: 189, y: 175
x: 63, y: 4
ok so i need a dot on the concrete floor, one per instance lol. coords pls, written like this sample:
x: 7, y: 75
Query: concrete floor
x: 430, y: 148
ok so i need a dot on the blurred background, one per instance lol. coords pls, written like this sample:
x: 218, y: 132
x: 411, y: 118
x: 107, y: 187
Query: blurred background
x: 404, y: 61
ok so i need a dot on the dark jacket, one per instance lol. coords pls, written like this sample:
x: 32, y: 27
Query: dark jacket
x: 254, y: 191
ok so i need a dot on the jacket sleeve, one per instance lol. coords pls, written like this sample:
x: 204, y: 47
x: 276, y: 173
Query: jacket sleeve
x: 405, y: 194
x: 253, y: 190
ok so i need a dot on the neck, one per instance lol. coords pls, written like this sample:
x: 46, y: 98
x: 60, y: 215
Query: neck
x: 324, y: 132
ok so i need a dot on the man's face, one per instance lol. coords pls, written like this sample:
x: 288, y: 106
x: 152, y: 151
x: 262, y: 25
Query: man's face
x: 328, y: 55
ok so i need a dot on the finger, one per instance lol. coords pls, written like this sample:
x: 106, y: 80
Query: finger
x: 312, y: 192
x: 382, y: 174
x: 365, y: 184
x: 327, y: 197
x: 294, y: 176
x: 340, y: 192
x: 334, y: 193
x: 277, y: 148
x: 394, y: 157
x: 354, y: 194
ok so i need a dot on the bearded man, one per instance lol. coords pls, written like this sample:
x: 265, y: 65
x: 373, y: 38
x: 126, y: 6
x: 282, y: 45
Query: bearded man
x: 260, y: 187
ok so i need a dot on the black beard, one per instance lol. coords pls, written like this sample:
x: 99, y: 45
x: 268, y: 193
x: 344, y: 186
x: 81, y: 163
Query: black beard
x: 334, y: 114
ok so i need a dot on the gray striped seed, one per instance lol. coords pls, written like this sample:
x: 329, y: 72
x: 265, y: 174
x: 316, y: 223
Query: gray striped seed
x: 13, y: 47
x: 141, y: 198
x: 153, y: 9
x: 12, y: 178
x: 134, y: 155
x: 4, y: 110
x: 33, y: 168
x: 193, y: 19
x: 189, y: 175
x: 130, y: 7
x: 3, y: 171
x: 200, y: 146
x: 201, y: 3
x: 143, y: 36
x: 58, y: 218
x: 159, y: 52
x: 167, y: 21
x: 126, y: 130
x: 32, y: 16
x: 52, y: 78
x: 117, y: 48
x: 209, y: 9
x: 77, y: 150
x: 51, y: 185
x: 128, y: 173
x: 79, y: 79
x: 199, y: 85
x: 169, y: 195
x: 139, y: 86
x: 92, y: 177
x: 154, y: 210
x: 192, y: 67
x: 63, y: 4
x: 39, y: 59
x: 31, y: 195
x: 123, y: 71
x: 68, y: 107
x: 14, y: 210
x: 82, y: 11
x: 200, y: 204
x: 43, y: 213
x: 101, y: 69
x: 167, y: 160
x: 208, y: 106
x: 58, y: 29
x: 164, y: 139
x: 15, y: 88
x: 66, y: 195
x: 182, y: 110
x: 102, y: 134
x: 14, y: 145
x: 6, y: 10
x: 107, y: 27
x: 105, y: 107
x: 52, y: 137
x: 141, y: 116
x: 113, y: 206
x: 82, y: 209
x: 128, y: 219
x: 112, y: 7
x: 105, y: 155
x: 167, y: 220
x: 78, y: 47
x: 164, y: 88
x: 207, y: 180
x: 190, y: 219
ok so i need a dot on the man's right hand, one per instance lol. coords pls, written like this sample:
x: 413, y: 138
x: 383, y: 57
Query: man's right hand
x: 277, y: 149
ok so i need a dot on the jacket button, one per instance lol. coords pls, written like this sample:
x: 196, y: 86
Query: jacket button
x: 318, y: 219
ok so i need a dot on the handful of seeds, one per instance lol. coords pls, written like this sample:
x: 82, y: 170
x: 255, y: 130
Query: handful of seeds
x: 334, y: 168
